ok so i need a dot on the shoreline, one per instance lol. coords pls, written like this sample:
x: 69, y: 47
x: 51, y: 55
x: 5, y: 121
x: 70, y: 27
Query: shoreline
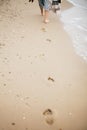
x: 42, y: 80
x: 66, y: 5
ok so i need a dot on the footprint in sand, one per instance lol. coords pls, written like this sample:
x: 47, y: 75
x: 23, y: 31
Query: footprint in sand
x: 3, y: 75
x: 51, y: 79
x: 43, y: 29
x: 9, y: 72
x: 18, y: 55
x: 49, y: 116
x: 5, y: 60
x: 13, y: 123
x: 4, y: 84
x: 49, y: 40
x: 2, y: 44
x: 26, y: 128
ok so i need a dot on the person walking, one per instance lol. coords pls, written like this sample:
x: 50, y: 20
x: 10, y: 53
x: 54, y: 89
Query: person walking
x: 45, y: 7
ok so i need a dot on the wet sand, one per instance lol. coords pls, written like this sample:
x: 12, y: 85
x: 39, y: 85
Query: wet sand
x: 43, y: 83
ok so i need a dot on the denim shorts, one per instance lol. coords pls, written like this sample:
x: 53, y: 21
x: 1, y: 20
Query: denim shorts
x: 46, y: 5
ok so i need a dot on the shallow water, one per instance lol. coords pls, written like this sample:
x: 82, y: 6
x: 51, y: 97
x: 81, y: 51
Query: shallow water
x: 75, y: 23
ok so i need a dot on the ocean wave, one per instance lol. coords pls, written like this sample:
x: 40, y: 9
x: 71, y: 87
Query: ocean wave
x: 75, y: 23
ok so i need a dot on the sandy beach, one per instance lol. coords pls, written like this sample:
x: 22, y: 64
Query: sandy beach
x: 43, y: 82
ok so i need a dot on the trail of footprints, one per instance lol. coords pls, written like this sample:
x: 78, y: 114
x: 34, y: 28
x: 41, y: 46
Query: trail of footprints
x: 49, y: 116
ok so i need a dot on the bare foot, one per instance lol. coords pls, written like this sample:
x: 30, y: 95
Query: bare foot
x: 46, y: 21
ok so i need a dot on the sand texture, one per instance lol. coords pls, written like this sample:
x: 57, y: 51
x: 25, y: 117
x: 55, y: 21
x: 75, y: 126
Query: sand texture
x: 43, y: 82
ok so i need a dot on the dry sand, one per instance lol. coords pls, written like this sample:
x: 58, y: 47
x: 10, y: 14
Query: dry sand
x: 43, y: 83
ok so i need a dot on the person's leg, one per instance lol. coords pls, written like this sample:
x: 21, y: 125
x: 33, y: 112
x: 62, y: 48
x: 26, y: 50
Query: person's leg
x: 46, y: 15
x: 41, y: 9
